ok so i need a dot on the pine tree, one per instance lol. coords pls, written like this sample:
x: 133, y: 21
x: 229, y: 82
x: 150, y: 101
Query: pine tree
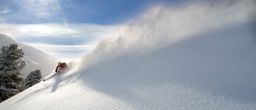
x: 11, y: 63
x: 33, y: 78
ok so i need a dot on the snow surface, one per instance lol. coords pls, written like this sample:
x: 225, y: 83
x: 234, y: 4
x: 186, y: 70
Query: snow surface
x: 159, y: 63
x: 34, y: 58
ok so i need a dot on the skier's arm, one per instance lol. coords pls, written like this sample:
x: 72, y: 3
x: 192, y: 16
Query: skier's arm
x: 57, y: 68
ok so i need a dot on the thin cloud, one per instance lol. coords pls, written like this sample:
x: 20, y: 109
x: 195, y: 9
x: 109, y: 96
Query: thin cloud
x: 54, y: 30
x: 73, y: 40
x: 41, y: 8
x: 5, y: 11
x: 64, y: 51
x: 32, y: 11
x: 35, y: 30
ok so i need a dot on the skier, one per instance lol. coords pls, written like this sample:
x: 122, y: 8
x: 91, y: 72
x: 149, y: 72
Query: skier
x: 62, y: 67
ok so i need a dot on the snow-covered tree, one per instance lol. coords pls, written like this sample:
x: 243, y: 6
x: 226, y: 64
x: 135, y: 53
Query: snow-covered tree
x: 33, y: 78
x: 11, y: 63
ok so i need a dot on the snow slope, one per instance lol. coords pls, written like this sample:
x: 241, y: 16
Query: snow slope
x: 5, y: 40
x: 34, y: 58
x: 153, y: 64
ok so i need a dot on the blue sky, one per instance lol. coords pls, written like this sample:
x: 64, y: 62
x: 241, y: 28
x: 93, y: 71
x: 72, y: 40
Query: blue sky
x: 74, y: 11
